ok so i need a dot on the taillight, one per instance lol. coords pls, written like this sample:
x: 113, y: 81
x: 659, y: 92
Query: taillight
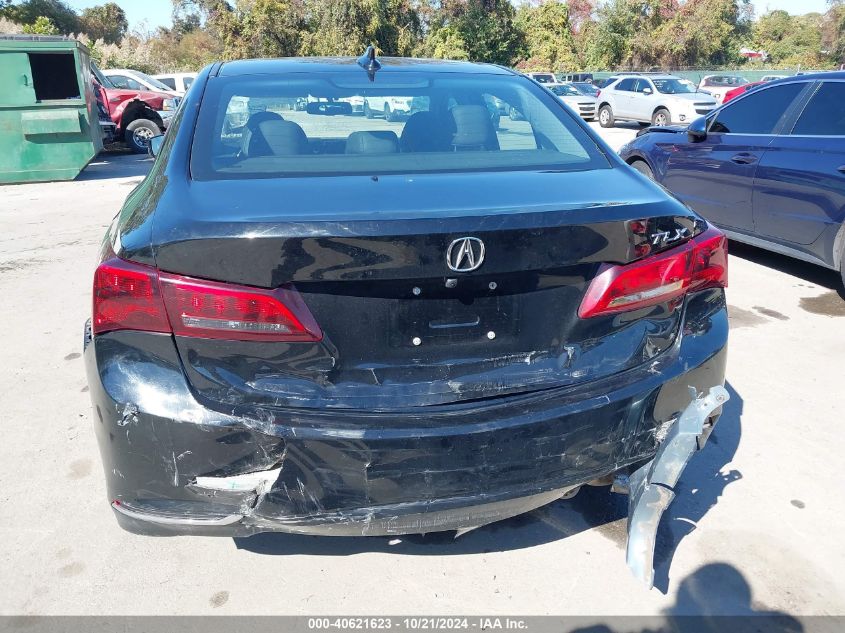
x: 209, y: 309
x: 127, y: 297
x: 699, y: 263
x: 130, y: 296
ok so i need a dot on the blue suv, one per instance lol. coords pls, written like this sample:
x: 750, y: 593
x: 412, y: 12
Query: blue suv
x: 768, y: 167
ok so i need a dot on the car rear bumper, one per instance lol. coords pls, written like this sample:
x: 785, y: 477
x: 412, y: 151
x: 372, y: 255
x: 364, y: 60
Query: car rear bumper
x: 177, y: 465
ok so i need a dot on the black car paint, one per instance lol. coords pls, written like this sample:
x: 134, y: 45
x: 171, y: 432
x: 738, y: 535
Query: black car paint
x: 360, y: 446
x: 789, y: 197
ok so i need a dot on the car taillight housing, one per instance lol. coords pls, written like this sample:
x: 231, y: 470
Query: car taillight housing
x: 131, y: 296
x: 127, y: 297
x: 700, y: 263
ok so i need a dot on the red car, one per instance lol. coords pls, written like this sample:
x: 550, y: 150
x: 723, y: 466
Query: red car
x: 138, y: 114
x: 740, y: 90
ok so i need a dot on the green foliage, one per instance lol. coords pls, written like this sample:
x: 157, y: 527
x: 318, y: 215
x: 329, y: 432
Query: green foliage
x: 551, y: 35
x: 791, y: 40
x: 548, y: 37
x: 107, y: 22
x: 27, y: 13
x: 478, y: 30
x: 347, y: 27
x: 42, y: 26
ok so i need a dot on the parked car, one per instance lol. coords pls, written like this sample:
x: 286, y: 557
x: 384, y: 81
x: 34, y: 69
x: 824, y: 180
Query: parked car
x: 177, y: 82
x: 588, y: 89
x: 768, y: 167
x: 138, y: 114
x: 107, y: 126
x: 735, y: 92
x: 329, y: 327
x: 583, y: 105
x: 718, y: 85
x: 653, y: 98
x: 579, y: 77
x: 356, y: 102
x: 389, y: 107
x: 773, y: 77
x: 542, y: 78
x: 127, y: 79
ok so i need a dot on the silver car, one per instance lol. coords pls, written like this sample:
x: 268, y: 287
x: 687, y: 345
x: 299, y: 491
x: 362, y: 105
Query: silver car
x: 654, y: 98
x: 582, y: 104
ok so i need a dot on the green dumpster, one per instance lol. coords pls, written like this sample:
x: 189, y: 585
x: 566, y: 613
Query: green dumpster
x: 48, y: 113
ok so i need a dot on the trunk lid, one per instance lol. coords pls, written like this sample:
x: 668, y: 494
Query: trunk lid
x: 401, y: 329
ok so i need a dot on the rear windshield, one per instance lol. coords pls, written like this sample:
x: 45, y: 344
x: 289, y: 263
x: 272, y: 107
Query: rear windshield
x: 265, y: 126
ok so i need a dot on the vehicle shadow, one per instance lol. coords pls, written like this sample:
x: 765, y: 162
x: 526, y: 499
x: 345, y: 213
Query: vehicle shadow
x: 713, y: 599
x: 811, y: 273
x: 116, y: 164
x: 593, y: 508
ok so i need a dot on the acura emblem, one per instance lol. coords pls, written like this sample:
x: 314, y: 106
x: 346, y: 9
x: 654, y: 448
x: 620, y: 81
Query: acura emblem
x: 465, y: 254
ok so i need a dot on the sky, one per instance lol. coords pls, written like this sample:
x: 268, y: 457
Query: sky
x: 149, y: 14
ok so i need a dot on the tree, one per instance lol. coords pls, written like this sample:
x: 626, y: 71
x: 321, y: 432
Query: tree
x: 60, y: 15
x: 41, y: 26
x: 548, y: 37
x: 478, y: 30
x: 833, y: 33
x: 347, y: 27
x: 107, y: 22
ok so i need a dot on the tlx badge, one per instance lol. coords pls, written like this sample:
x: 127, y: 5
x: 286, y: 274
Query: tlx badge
x: 667, y: 237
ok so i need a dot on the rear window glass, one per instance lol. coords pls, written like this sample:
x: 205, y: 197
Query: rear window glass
x: 757, y: 113
x: 824, y: 115
x: 298, y: 124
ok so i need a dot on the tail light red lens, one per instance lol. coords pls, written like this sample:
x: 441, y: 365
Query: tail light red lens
x: 127, y: 297
x: 130, y: 296
x: 210, y: 309
x: 700, y: 263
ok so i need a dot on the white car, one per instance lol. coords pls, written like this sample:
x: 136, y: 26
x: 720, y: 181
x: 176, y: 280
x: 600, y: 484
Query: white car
x: 356, y: 102
x: 128, y: 79
x: 583, y: 105
x: 773, y: 77
x: 542, y: 78
x: 179, y: 82
x: 391, y: 108
x: 654, y: 98
x: 718, y: 85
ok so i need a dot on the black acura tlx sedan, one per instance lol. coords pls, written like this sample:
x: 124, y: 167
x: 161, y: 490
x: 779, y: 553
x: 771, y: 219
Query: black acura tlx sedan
x: 307, y: 320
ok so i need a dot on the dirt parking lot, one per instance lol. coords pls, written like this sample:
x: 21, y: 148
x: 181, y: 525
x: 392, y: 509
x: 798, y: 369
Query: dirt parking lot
x: 757, y: 526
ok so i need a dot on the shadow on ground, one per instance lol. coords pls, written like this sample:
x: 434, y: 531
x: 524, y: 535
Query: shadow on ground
x: 715, y: 598
x: 811, y: 273
x: 594, y: 508
x: 116, y: 164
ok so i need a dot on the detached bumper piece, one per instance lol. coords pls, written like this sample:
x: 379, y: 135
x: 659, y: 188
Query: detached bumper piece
x: 651, y: 487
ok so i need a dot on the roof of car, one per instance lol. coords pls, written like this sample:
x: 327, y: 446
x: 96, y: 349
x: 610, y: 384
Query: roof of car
x: 350, y: 64
x: 830, y: 74
x: 644, y: 75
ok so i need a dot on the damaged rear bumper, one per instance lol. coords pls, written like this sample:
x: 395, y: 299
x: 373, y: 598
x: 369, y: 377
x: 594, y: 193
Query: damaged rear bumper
x: 175, y: 464
x: 651, y: 487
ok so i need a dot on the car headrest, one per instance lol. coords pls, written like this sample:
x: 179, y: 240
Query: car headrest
x: 473, y: 128
x: 423, y: 133
x: 284, y: 138
x: 372, y: 142
x: 253, y: 144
